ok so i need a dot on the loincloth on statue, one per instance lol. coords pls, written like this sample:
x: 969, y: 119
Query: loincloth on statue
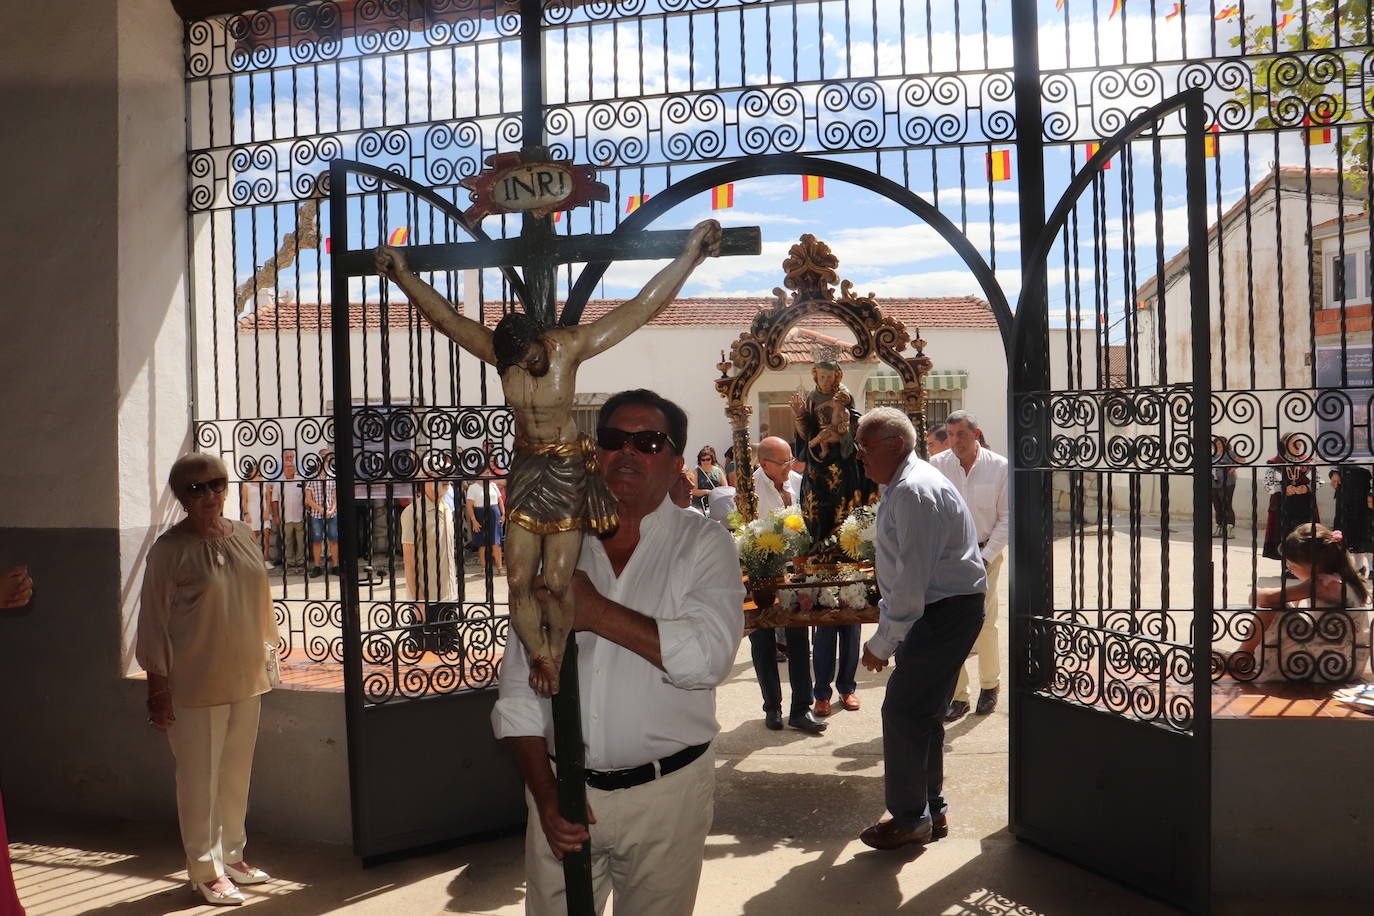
x: 557, y: 486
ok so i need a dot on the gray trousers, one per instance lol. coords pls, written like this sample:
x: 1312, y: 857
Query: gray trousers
x: 918, y: 695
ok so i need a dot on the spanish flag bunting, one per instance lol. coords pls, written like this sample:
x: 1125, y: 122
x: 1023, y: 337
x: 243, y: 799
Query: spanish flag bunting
x: 813, y: 187
x: 1317, y: 134
x: 635, y: 202
x: 723, y: 196
x: 1058, y: 4
x: 1092, y: 151
x: 1287, y: 20
x: 328, y: 246
x: 1226, y: 13
x: 999, y: 165
x: 1116, y: 8
x: 558, y: 216
x: 1209, y: 142
x: 399, y: 236
x: 1174, y: 13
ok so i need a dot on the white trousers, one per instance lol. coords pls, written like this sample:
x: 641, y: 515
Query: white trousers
x: 647, y: 845
x: 213, y: 746
x: 989, y: 665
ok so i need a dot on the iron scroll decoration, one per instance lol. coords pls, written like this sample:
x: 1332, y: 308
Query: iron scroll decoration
x: 810, y: 272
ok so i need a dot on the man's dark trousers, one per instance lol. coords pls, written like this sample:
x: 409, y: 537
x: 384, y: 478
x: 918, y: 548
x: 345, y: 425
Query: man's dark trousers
x: 918, y: 694
x: 823, y: 658
x: 764, y: 650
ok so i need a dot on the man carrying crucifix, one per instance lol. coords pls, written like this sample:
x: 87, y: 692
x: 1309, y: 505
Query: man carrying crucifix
x: 554, y: 490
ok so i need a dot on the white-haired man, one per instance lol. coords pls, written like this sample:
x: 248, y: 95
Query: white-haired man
x: 930, y: 573
x: 980, y: 476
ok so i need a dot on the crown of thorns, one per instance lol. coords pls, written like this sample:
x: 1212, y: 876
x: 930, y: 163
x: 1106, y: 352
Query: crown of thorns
x: 511, y: 339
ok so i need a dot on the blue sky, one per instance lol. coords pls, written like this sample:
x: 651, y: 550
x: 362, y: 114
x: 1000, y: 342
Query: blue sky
x: 881, y: 247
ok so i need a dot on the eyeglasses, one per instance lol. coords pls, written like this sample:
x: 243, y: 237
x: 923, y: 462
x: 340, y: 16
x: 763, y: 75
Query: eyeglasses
x: 200, y: 488
x: 776, y: 460
x: 646, y: 441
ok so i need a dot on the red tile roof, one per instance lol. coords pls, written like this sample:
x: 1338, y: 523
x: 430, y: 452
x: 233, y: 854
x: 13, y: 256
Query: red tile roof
x: 947, y: 312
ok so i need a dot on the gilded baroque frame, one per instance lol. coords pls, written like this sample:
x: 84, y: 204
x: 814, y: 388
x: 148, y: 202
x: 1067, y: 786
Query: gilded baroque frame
x: 810, y: 272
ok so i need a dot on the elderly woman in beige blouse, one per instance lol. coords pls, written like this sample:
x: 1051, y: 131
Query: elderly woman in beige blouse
x: 203, y: 634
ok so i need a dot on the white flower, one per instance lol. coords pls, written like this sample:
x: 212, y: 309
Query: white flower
x: 828, y: 597
x: 854, y: 596
x: 787, y: 598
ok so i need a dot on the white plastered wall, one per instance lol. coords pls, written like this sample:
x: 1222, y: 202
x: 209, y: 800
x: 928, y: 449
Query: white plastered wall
x: 154, y: 398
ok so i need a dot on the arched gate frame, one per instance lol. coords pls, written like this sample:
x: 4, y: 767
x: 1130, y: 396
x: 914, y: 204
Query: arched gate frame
x: 1111, y: 704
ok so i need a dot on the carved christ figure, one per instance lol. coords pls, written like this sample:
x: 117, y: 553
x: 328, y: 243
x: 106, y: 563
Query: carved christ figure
x: 554, y: 490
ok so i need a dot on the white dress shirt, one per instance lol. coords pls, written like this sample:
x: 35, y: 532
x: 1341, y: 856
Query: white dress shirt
x: 927, y: 550
x: 768, y: 496
x: 685, y: 574
x: 984, y: 489
x: 292, y: 500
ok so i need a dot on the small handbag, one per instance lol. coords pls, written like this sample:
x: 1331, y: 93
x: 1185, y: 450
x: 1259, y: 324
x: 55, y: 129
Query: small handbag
x: 273, y: 665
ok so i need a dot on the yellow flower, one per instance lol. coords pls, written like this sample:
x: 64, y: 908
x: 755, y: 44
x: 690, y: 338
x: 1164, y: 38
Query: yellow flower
x: 793, y: 523
x: 850, y: 541
x: 769, y: 542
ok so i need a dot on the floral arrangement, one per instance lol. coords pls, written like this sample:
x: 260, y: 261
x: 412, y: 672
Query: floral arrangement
x: 766, y: 544
x: 857, y: 533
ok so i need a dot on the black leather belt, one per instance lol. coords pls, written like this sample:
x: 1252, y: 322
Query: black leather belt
x: 611, y: 780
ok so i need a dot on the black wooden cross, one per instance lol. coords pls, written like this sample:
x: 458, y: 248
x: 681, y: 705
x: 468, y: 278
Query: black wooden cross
x: 540, y: 251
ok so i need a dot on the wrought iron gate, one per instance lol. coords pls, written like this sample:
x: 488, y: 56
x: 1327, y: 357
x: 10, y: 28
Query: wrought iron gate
x: 422, y: 637
x: 658, y: 93
x: 1111, y: 705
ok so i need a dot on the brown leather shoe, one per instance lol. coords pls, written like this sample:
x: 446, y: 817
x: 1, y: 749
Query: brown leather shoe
x: 939, y: 828
x: 850, y: 701
x: 887, y: 835
x: 822, y: 708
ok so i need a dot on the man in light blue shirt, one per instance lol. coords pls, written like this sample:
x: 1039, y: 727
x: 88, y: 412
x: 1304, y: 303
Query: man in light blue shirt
x: 931, y: 576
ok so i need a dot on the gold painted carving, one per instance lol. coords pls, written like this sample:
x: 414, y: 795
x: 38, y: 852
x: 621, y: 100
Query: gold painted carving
x: 810, y: 271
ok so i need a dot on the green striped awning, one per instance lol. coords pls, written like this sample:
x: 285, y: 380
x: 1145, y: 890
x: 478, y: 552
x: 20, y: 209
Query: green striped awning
x: 937, y: 380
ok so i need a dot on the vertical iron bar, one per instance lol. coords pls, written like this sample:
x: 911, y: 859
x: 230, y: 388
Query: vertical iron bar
x: 1030, y: 372
x: 1202, y: 460
x: 343, y: 484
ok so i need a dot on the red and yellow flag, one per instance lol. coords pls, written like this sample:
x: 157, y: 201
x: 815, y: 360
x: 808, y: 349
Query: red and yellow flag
x: 723, y: 196
x: 1316, y: 134
x: 635, y: 202
x: 399, y: 236
x: 1058, y: 4
x: 1092, y: 151
x: 328, y: 245
x: 1287, y: 20
x: 1174, y: 13
x: 813, y: 187
x: 558, y: 216
x: 1209, y: 142
x: 999, y: 165
x: 1116, y: 7
x: 1226, y: 13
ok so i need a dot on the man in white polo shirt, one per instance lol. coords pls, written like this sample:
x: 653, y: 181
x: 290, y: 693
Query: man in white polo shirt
x: 980, y: 476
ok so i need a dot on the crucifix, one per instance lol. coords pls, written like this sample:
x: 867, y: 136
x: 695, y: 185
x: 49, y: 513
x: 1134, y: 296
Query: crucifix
x: 555, y: 492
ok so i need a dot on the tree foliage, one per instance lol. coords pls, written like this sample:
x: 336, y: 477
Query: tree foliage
x: 1312, y: 71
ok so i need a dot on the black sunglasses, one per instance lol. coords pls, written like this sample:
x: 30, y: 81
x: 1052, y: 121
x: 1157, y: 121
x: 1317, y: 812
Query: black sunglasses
x: 647, y: 441
x: 205, y: 486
